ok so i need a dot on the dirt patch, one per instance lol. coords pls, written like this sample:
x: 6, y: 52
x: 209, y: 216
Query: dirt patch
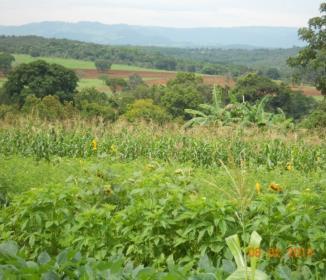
x: 307, y: 90
x: 161, y: 78
x: 154, y: 78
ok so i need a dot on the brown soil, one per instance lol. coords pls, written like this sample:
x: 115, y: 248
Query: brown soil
x: 161, y: 78
x: 307, y: 90
x: 154, y: 78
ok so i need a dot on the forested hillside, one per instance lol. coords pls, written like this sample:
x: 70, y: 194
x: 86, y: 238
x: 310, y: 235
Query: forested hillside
x: 212, y: 61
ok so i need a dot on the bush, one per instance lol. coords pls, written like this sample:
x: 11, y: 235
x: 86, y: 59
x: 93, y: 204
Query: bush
x: 103, y: 65
x: 146, y: 110
x: 317, y: 119
x: 49, y: 108
x: 5, y: 110
x: 92, y: 103
x: 116, y: 84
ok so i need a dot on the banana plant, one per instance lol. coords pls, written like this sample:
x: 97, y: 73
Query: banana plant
x: 244, y: 272
x: 209, y: 114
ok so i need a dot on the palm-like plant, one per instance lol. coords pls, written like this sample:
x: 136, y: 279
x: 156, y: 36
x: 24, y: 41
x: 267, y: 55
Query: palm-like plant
x: 209, y: 113
x: 243, y: 113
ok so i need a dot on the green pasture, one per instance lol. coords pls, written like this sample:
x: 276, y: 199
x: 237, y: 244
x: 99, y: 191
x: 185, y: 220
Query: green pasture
x: 77, y: 64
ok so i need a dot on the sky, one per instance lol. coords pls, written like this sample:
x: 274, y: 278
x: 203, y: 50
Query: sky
x: 172, y: 13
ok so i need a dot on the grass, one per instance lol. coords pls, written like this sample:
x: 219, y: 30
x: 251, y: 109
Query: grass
x: 20, y: 174
x: 78, y: 64
x: 96, y: 83
x: 69, y: 63
x: 2, y: 81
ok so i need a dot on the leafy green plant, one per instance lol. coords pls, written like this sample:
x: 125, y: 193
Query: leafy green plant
x: 244, y: 272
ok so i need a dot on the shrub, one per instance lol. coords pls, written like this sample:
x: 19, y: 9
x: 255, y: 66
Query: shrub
x: 93, y: 103
x: 317, y: 119
x: 5, y: 110
x: 146, y: 110
x: 49, y: 108
x: 116, y: 84
x: 103, y: 65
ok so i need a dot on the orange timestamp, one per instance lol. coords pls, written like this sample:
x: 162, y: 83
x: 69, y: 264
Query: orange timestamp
x: 292, y: 252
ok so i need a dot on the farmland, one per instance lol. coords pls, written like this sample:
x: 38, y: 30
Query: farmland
x: 154, y: 163
x: 86, y: 70
x: 156, y: 193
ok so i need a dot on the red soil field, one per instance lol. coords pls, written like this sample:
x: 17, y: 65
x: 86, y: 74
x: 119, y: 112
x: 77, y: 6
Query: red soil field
x: 161, y: 78
x: 307, y: 90
x: 157, y: 78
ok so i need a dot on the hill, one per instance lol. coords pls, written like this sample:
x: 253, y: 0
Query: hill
x: 122, y: 34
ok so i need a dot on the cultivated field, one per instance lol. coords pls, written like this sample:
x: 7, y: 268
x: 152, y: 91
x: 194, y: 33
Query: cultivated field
x: 86, y: 70
x: 157, y: 194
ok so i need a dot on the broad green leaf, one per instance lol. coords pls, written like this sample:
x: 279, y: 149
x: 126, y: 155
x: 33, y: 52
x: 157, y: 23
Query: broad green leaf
x: 9, y: 249
x: 43, y: 258
x: 233, y: 243
x: 245, y: 274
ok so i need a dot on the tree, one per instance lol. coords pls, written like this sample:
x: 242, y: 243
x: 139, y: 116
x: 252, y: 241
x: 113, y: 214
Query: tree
x: 317, y: 119
x: 273, y: 73
x: 116, y: 84
x: 40, y: 78
x: 6, y: 61
x: 182, y: 93
x: 253, y: 87
x: 313, y: 56
x: 134, y: 81
x: 103, y: 65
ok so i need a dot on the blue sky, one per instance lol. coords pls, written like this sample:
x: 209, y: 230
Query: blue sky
x: 177, y: 13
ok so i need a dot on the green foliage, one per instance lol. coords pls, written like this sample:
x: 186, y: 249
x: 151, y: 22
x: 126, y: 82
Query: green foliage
x: 135, y: 81
x: 233, y: 62
x: 40, y: 79
x: 132, y: 144
x: 145, y: 109
x: 317, y: 119
x: 182, y: 93
x: 273, y: 73
x: 116, y: 84
x: 6, y: 110
x: 253, y: 87
x: 6, y: 61
x: 103, y: 65
x: 242, y: 113
x: 160, y: 218
x: 92, y: 103
x: 48, y: 108
x: 243, y: 272
x: 312, y: 58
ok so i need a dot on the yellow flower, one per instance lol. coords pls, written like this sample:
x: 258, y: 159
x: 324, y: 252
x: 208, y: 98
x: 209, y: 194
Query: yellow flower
x: 94, y: 145
x: 150, y: 167
x: 258, y: 188
x: 114, y: 149
x: 289, y: 166
x: 275, y: 187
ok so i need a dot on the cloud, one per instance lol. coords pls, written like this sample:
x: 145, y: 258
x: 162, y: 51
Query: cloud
x: 180, y: 13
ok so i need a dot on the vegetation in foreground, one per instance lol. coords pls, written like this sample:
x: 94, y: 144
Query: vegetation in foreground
x: 161, y: 198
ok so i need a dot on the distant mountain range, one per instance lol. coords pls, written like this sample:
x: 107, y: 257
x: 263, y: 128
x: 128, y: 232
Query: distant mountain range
x: 122, y: 34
